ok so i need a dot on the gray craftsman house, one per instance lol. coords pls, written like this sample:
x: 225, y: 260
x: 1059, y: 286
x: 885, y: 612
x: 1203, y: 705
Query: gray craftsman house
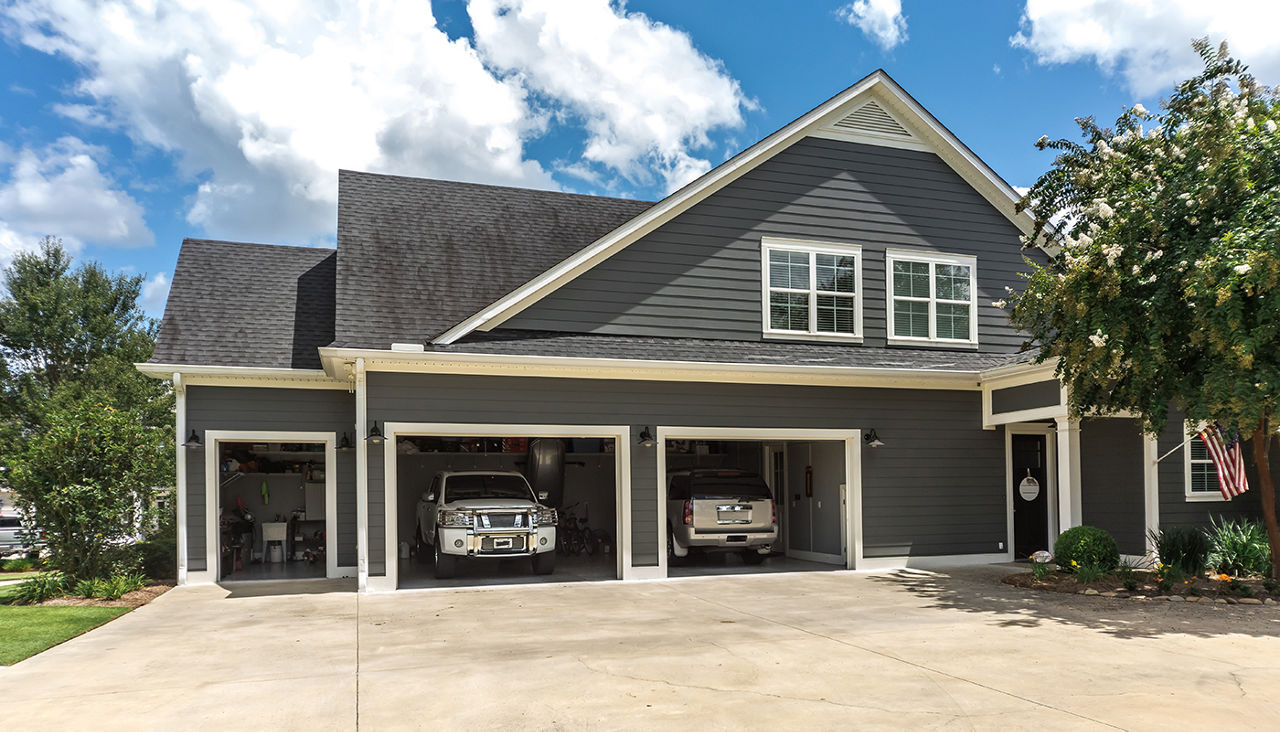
x: 818, y: 309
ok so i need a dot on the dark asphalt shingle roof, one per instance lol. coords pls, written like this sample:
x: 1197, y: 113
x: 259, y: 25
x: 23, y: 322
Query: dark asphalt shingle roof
x: 782, y: 353
x: 239, y: 304
x: 417, y: 256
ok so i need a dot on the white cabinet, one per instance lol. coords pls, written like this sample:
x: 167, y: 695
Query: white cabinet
x: 315, y: 501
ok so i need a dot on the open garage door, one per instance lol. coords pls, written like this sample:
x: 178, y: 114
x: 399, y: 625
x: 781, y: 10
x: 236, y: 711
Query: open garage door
x: 505, y: 509
x: 741, y: 505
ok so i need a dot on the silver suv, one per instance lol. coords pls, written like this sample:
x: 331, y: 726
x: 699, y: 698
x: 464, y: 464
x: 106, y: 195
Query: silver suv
x: 485, y: 514
x: 722, y: 509
x: 11, y: 534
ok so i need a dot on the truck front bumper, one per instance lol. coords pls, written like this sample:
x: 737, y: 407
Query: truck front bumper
x: 466, y: 542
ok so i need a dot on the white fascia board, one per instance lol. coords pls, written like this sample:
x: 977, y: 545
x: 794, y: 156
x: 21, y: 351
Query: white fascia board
x: 243, y: 376
x: 970, y: 167
x: 486, y: 364
x: 1023, y: 373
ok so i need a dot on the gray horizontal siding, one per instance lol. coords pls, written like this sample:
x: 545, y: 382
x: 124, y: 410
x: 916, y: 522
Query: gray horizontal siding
x: 1112, y: 490
x: 937, y: 487
x: 699, y: 275
x: 1026, y: 396
x: 257, y: 409
x: 1176, y: 510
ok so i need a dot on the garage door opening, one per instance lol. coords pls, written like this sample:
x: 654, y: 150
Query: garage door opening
x: 273, y: 506
x: 743, y: 506
x: 505, y: 510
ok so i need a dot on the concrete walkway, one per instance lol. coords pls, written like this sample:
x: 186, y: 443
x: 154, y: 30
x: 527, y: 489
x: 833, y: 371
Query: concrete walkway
x: 807, y: 650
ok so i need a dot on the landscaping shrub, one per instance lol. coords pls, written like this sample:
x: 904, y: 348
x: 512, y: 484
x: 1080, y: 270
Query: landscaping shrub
x: 1239, y: 547
x: 19, y: 565
x: 1086, y: 546
x: 1127, y: 576
x: 90, y: 588
x: 122, y: 584
x: 1168, y: 576
x: 1086, y: 573
x: 158, y: 553
x: 1186, y: 548
x: 40, y: 588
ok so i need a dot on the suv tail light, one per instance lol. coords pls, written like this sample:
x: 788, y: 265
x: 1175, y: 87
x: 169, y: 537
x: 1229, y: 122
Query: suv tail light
x: 773, y: 505
x: 688, y: 513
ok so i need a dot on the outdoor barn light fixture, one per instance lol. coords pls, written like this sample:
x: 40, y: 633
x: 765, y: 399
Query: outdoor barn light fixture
x: 345, y: 445
x: 872, y: 439
x: 646, y: 438
x: 193, y: 442
x: 375, y: 435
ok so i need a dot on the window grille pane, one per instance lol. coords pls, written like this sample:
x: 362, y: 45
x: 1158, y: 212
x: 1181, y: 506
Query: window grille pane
x: 788, y: 311
x: 953, y: 321
x: 835, y: 273
x: 835, y: 314
x: 789, y: 269
x: 952, y: 282
x: 1204, y: 477
x: 911, y: 279
x: 911, y: 319
x: 1199, y: 450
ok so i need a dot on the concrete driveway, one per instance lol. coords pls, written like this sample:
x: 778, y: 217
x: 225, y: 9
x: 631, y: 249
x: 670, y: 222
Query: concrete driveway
x: 808, y: 650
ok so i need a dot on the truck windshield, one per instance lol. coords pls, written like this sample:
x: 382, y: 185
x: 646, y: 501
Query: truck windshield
x: 468, y: 487
x: 728, y: 485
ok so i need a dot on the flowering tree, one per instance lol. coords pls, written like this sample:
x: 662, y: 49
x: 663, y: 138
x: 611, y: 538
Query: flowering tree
x: 1167, y: 287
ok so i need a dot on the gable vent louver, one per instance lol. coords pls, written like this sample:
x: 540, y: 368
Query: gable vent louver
x: 871, y: 117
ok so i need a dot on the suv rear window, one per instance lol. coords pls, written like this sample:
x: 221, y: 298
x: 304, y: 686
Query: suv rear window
x: 468, y: 487
x: 10, y: 522
x: 718, y: 484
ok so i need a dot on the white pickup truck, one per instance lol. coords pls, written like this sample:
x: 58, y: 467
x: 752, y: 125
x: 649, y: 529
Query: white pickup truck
x: 484, y: 514
x: 721, y: 509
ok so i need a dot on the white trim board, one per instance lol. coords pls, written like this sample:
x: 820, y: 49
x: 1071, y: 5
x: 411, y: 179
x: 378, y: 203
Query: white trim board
x: 877, y: 86
x: 212, y: 486
x: 851, y: 520
x: 392, y: 431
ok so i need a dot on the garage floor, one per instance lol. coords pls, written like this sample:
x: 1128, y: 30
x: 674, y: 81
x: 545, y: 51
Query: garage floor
x: 811, y: 650
x: 488, y: 572
x: 714, y: 563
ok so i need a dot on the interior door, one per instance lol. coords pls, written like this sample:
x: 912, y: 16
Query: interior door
x: 775, y: 471
x: 1030, y: 494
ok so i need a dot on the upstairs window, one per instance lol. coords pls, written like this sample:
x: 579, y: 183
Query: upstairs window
x: 812, y: 290
x: 932, y: 298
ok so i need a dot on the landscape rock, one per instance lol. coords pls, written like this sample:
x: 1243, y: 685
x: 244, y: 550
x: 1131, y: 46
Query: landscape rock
x: 1250, y: 601
x: 1090, y: 591
x: 1193, y: 599
x: 1138, y: 597
x: 1177, y: 598
x: 1232, y: 601
x: 1221, y: 601
x: 1109, y: 594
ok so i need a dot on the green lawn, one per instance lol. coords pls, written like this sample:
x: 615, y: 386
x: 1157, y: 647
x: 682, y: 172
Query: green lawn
x: 8, y: 576
x: 26, y: 631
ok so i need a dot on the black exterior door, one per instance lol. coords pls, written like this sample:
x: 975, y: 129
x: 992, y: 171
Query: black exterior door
x: 1030, y: 497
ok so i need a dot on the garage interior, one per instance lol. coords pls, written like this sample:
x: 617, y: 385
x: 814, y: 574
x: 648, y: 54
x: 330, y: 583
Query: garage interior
x: 805, y: 479
x: 271, y: 510
x: 579, y: 476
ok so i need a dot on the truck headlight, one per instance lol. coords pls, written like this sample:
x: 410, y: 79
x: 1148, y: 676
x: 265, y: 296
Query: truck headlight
x: 456, y: 518
x: 545, y: 517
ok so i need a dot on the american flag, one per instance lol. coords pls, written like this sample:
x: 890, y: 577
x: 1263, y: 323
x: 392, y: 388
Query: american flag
x: 1228, y: 458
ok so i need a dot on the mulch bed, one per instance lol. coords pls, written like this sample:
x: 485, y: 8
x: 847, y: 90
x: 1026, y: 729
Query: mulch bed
x: 137, y: 598
x: 1209, y: 588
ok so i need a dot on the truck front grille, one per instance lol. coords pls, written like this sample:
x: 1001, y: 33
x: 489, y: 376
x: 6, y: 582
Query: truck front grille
x: 502, y: 544
x: 504, y: 521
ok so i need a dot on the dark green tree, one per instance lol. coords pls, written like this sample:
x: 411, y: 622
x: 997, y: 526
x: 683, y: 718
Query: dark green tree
x: 1167, y: 288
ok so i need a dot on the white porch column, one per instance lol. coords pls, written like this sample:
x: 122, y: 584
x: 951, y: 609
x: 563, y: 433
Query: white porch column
x: 1070, y: 512
x: 180, y: 467
x: 1151, y: 486
x: 362, y: 480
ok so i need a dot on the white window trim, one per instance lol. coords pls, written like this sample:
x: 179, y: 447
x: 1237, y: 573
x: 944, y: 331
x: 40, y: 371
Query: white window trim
x: 931, y: 258
x: 768, y: 244
x: 1214, y: 496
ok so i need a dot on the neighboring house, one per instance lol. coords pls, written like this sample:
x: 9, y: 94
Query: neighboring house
x: 829, y: 286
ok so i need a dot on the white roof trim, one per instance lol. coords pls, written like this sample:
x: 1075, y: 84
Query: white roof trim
x: 891, y: 97
x: 489, y: 364
x: 193, y: 375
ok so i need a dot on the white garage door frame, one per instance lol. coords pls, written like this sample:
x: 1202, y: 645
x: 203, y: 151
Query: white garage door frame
x: 213, y: 491
x: 851, y: 521
x: 395, y: 430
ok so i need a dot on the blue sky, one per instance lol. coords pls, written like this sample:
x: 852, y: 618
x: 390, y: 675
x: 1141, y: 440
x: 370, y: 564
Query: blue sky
x: 125, y: 126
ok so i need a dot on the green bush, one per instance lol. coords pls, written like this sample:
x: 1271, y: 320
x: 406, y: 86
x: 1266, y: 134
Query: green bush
x: 1127, y: 575
x: 1085, y: 546
x: 90, y: 588
x: 1086, y: 573
x: 122, y: 584
x: 19, y: 565
x: 158, y: 554
x: 1183, y: 547
x: 1239, y: 547
x: 40, y: 588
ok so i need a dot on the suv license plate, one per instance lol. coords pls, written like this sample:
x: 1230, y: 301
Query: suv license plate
x: 502, y: 543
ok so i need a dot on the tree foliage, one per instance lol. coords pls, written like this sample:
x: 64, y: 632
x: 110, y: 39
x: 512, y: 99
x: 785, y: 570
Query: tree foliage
x: 68, y: 340
x: 1167, y: 287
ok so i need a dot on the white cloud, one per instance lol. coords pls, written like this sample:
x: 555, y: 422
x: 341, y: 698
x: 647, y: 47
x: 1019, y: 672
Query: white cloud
x: 154, y: 293
x: 61, y: 190
x: 1147, y: 43
x: 263, y: 102
x: 881, y: 20
x: 646, y: 96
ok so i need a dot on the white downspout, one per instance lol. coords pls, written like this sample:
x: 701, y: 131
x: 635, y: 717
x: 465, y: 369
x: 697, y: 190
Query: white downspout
x: 180, y: 467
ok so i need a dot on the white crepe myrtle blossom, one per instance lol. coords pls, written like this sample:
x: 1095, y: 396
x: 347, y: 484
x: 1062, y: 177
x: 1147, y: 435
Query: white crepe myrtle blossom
x: 1098, y: 339
x: 1270, y: 125
x: 1242, y: 269
x: 1112, y: 253
x: 999, y: 304
x: 1140, y: 110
